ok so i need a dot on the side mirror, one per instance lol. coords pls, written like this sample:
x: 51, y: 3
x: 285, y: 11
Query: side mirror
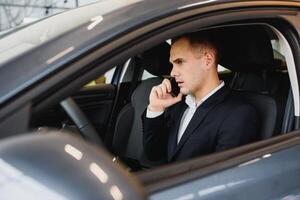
x: 59, y: 166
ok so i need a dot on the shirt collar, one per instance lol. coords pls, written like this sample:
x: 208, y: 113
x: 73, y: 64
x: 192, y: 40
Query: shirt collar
x: 191, y: 101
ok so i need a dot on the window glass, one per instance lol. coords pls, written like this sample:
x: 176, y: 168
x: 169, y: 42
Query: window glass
x: 147, y: 75
x: 222, y: 69
x: 278, y: 53
x: 104, y: 79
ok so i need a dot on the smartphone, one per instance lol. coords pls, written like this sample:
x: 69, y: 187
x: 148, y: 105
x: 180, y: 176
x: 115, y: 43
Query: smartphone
x: 175, y: 89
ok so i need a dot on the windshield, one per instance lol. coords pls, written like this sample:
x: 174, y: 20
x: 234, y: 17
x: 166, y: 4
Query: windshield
x: 28, y: 37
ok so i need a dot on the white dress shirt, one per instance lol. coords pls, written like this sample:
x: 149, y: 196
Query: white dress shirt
x: 189, y: 112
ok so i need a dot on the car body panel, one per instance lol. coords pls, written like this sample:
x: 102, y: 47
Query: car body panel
x: 271, y: 176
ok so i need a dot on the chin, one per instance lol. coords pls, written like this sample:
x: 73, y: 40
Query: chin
x: 184, y: 91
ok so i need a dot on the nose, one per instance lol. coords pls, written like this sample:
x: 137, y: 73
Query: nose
x: 174, y: 71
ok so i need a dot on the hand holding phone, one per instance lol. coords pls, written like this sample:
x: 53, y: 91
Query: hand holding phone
x: 164, y: 95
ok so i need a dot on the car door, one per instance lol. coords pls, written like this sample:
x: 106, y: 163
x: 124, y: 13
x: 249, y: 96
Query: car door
x: 96, y: 99
x: 269, y: 170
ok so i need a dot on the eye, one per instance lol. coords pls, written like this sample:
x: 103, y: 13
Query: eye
x: 179, y: 61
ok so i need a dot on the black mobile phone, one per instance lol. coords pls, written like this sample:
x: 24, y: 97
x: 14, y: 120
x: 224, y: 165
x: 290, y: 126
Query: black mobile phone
x: 175, y: 89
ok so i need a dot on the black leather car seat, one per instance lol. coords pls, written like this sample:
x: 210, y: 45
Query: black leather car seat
x: 247, y: 51
x: 127, y: 140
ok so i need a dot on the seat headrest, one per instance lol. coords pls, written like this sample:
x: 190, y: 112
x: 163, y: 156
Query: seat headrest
x: 242, y: 49
x: 246, y: 49
x: 156, y: 60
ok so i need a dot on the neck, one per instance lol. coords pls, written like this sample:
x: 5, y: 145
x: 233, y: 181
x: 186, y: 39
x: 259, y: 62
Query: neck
x: 210, y: 85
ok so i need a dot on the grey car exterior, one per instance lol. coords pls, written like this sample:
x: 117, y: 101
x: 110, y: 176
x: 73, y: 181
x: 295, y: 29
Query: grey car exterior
x: 60, y: 60
x: 269, y: 176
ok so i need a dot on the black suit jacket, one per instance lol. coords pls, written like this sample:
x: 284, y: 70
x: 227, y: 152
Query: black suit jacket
x: 221, y: 122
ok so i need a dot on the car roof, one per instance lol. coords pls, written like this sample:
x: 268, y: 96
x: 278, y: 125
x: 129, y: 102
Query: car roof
x: 67, y: 35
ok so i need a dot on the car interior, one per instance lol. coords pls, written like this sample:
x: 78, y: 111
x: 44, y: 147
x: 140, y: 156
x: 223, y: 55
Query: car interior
x: 253, y: 66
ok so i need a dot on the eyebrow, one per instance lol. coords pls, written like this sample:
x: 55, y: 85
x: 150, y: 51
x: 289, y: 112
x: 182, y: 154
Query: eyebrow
x: 176, y: 60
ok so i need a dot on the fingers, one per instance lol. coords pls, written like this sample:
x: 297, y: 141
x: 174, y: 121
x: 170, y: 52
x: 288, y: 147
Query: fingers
x: 163, y: 89
x: 160, y: 97
x: 167, y: 84
x: 159, y: 91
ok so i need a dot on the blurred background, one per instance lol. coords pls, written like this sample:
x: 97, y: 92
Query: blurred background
x: 14, y: 13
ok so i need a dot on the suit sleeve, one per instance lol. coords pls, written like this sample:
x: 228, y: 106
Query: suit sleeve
x: 155, y: 137
x: 239, y: 127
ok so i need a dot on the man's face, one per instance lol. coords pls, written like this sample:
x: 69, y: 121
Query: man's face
x: 189, y: 67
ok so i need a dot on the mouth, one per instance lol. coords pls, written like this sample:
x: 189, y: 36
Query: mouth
x: 179, y: 83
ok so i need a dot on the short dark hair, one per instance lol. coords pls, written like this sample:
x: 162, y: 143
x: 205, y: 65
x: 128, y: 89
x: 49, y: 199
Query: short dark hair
x: 205, y: 38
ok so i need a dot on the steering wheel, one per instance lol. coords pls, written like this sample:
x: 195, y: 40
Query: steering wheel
x: 88, y: 131
x: 84, y: 125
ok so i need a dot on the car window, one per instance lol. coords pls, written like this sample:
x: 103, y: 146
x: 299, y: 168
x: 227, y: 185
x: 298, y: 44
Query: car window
x: 147, y: 75
x: 276, y: 46
x: 103, y: 79
x: 273, y: 84
x: 254, y: 79
x: 222, y: 70
x: 278, y: 53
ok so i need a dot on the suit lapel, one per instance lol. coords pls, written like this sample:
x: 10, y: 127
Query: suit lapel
x: 199, y: 117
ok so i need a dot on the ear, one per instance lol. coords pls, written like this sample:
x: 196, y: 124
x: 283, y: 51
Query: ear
x: 209, y: 60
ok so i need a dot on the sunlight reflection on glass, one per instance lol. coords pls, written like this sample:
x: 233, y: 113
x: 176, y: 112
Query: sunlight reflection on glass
x: 99, y: 172
x: 217, y: 188
x: 195, y: 4
x: 267, y: 155
x: 60, y: 55
x: 95, y: 21
x: 249, y: 162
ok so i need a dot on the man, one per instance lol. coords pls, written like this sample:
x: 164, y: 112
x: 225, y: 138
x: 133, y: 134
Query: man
x: 204, y: 117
